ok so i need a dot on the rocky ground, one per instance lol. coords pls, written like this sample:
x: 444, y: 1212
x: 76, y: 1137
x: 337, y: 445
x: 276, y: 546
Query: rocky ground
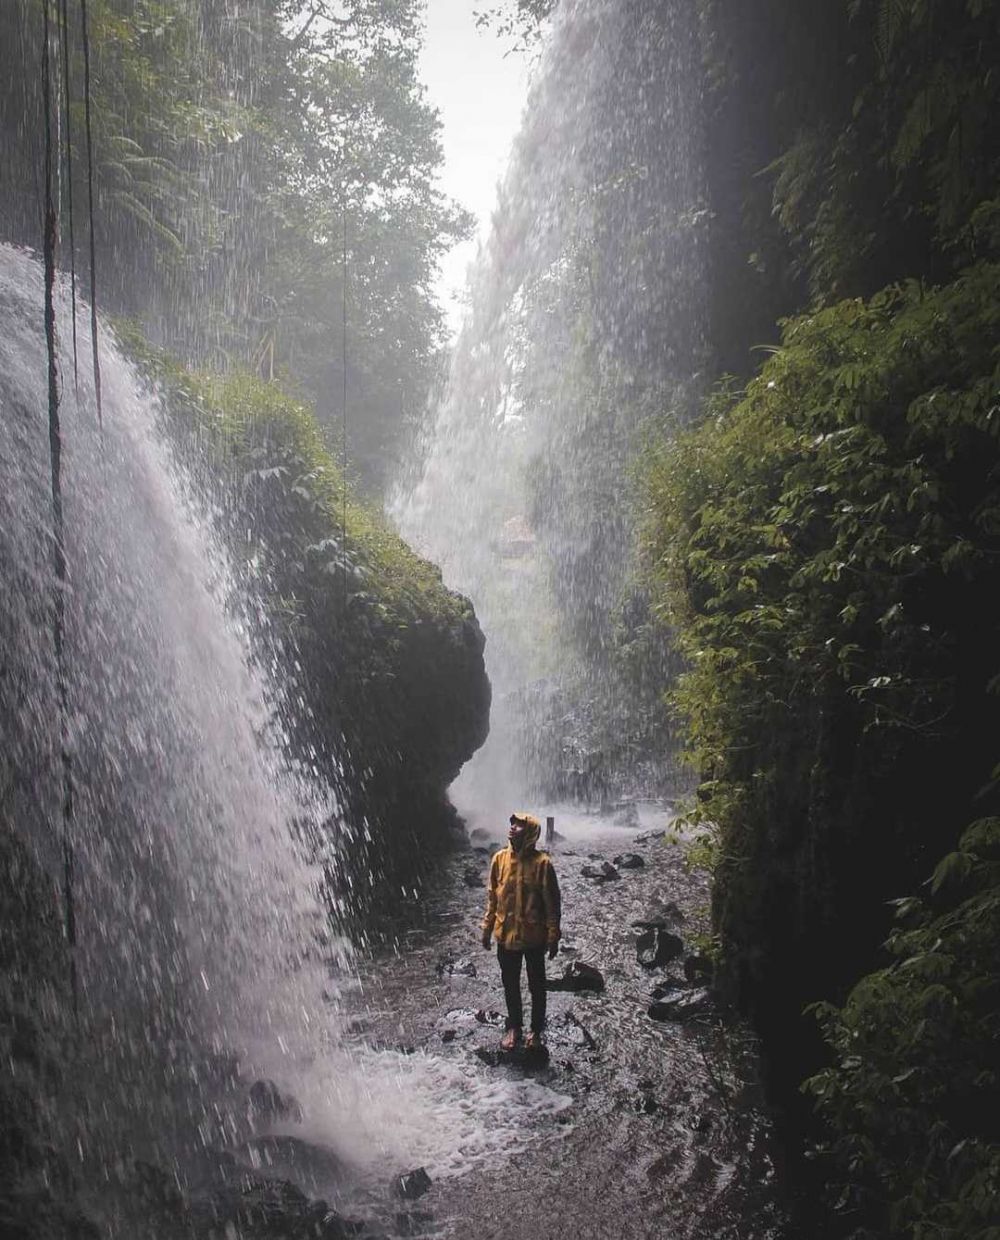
x: 642, y: 1119
x: 646, y: 1117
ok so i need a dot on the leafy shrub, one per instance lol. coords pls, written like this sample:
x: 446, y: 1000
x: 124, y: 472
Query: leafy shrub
x: 913, y: 1097
x: 826, y: 546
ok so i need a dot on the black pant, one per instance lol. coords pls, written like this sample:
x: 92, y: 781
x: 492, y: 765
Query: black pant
x: 510, y: 972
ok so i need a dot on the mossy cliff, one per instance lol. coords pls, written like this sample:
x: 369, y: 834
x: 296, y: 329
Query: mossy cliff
x: 383, y: 685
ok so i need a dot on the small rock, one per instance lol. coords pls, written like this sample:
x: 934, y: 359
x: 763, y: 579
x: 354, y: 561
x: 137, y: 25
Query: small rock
x: 601, y: 873
x: 578, y: 976
x: 646, y: 1104
x: 448, y: 1035
x: 629, y: 861
x: 681, y: 1006
x: 413, y: 1184
x: 486, y: 1016
x: 657, y: 947
x: 665, y: 987
x: 455, y: 968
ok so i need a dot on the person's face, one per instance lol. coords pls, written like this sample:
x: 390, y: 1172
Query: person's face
x: 516, y: 834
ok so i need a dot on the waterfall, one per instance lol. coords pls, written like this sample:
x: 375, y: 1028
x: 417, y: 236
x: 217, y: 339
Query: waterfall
x: 585, y: 325
x: 197, y: 919
x: 208, y: 954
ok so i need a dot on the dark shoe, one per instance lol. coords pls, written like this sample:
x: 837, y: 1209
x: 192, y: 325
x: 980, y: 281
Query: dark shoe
x: 533, y: 1042
x: 511, y: 1038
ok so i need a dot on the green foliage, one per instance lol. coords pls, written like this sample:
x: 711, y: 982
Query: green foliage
x: 233, y: 152
x: 826, y: 548
x: 913, y: 1094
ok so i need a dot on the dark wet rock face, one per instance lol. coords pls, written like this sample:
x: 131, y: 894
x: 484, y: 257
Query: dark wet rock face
x: 268, y: 1105
x: 656, y: 948
x: 629, y: 861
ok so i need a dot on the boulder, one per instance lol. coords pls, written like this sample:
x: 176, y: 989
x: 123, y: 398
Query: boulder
x: 662, y: 914
x: 578, y: 976
x: 682, y: 1005
x: 657, y: 947
x: 413, y: 1184
x: 629, y: 861
x: 601, y: 873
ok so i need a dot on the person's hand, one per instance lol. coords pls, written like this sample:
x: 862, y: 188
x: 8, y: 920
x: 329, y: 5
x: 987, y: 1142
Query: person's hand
x: 486, y: 939
x: 553, y: 950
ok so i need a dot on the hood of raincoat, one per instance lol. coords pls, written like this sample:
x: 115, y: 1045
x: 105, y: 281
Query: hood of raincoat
x: 533, y: 827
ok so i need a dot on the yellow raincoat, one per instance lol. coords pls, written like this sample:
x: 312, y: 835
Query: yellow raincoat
x: 522, y: 895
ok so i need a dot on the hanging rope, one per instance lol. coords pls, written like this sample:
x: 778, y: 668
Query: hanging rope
x: 90, y: 206
x: 64, y: 34
x: 50, y: 235
x: 343, y: 427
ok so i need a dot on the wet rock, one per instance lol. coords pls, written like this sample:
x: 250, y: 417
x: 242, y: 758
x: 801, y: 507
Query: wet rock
x: 481, y: 851
x: 486, y: 1016
x: 629, y: 861
x: 316, y: 1166
x: 665, y: 987
x: 413, y: 1184
x: 681, y: 1006
x: 448, y: 1035
x: 645, y: 1103
x: 268, y: 1208
x: 578, y: 976
x: 600, y: 873
x: 662, y: 915
x: 647, y: 837
x: 472, y: 877
x: 698, y: 968
x: 568, y: 949
x: 455, y: 968
x: 657, y: 947
x: 268, y: 1105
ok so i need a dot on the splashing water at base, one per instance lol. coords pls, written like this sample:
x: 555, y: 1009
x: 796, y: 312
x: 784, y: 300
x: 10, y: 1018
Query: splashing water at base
x: 205, y: 958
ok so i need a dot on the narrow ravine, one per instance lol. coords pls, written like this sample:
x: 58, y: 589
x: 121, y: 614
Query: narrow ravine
x: 635, y: 1127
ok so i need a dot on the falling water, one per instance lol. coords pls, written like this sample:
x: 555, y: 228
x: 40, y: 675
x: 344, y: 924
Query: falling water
x: 585, y: 326
x: 197, y: 920
x: 206, y: 957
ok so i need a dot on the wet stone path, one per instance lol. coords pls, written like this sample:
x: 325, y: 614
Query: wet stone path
x: 631, y: 1126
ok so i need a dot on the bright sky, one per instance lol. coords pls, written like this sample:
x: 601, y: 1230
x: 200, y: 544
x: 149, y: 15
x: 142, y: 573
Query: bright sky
x: 479, y: 93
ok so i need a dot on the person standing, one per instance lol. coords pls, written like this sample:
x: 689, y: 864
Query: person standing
x: 522, y: 913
